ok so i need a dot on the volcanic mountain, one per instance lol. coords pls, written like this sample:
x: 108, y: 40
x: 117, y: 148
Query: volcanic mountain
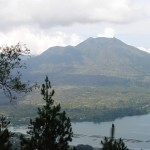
x: 94, y: 59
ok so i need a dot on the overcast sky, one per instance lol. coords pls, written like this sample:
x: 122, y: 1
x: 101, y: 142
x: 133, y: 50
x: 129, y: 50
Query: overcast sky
x: 41, y: 24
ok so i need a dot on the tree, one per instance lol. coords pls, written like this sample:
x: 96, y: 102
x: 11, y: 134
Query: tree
x: 5, y: 134
x: 51, y: 129
x: 10, y: 63
x: 112, y: 143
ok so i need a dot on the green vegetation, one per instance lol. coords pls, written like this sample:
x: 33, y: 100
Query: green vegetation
x: 51, y: 129
x: 90, y: 103
x: 5, y: 134
x: 112, y: 143
x: 10, y: 66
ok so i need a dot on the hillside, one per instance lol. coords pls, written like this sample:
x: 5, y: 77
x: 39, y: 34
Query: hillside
x: 110, y: 56
x: 100, y: 59
x: 100, y: 79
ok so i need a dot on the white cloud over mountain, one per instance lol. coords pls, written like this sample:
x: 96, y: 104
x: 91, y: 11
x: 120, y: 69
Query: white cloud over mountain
x: 144, y: 49
x: 44, y: 23
x: 108, y: 32
x: 39, y: 41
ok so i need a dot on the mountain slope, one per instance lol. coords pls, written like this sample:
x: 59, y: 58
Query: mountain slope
x: 110, y: 56
x: 94, y: 57
x: 99, y: 79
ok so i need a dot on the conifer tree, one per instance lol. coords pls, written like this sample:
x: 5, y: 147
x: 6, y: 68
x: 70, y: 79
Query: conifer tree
x: 5, y: 134
x: 51, y: 129
x: 112, y: 143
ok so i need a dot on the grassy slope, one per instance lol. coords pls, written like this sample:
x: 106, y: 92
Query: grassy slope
x: 90, y: 103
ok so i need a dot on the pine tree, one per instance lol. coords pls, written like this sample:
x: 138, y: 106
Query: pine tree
x: 5, y: 134
x: 51, y: 129
x: 112, y: 143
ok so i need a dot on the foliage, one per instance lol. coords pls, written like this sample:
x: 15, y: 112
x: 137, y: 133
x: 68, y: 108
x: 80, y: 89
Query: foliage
x: 5, y: 134
x: 51, y: 129
x: 10, y: 63
x: 79, y: 102
x: 113, y: 144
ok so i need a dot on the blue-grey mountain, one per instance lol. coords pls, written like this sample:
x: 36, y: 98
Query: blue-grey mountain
x: 94, y: 61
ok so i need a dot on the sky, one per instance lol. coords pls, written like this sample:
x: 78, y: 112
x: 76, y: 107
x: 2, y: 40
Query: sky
x: 41, y: 24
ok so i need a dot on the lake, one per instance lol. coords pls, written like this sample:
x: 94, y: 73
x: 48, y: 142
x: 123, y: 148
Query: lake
x: 134, y: 130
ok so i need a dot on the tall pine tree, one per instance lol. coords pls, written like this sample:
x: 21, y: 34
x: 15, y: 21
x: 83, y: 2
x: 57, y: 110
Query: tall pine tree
x: 112, y: 143
x: 51, y: 129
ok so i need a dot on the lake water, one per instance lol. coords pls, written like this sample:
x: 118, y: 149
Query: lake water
x: 134, y: 130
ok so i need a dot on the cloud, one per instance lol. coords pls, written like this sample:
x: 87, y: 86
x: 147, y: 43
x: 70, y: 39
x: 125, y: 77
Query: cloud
x: 50, y: 13
x: 38, y: 42
x: 144, y: 49
x: 44, y: 23
x: 108, y: 32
